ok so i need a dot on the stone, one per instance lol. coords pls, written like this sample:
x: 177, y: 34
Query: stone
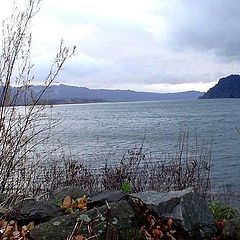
x: 231, y: 230
x: 124, y: 215
x: 124, y: 224
x: 29, y: 210
x: 73, y: 192
x: 100, y: 198
x: 188, y: 210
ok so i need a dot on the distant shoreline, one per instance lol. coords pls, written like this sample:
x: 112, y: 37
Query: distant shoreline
x: 133, y: 101
x: 94, y: 102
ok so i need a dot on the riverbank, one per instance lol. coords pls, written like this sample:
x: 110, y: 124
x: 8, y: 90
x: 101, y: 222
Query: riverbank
x: 71, y: 214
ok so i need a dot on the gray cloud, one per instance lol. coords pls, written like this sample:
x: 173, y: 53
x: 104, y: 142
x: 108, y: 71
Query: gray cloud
x: 210, y: 25
x: 177, y: 42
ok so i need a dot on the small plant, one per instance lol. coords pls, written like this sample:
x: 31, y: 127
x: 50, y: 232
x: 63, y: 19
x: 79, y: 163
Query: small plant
x: 222, y: 211
x: 126, y: 187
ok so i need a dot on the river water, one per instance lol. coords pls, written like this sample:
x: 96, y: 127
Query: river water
x: 94, y: 132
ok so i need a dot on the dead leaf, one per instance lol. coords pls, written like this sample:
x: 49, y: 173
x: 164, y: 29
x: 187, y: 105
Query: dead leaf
x: 24, y: 231
x: 16, y: 234
x: 157, y: 232
x: 80, y: 237
x: 74, y: 203
x: 30, y: 226
x: 8, y: 231
x: 67, y: 202
x: 82, y: 203
x: 170, y: 222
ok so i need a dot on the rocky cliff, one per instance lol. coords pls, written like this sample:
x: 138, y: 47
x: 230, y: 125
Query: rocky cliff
x: 227, y: 87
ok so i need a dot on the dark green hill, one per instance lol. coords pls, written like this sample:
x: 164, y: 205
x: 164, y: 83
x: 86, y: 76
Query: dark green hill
x: 228, y: 87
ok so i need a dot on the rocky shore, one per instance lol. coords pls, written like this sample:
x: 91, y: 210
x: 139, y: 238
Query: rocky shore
x: 70, y: 214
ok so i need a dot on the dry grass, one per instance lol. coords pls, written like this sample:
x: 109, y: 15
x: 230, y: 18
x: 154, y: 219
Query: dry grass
x: 21, y: 129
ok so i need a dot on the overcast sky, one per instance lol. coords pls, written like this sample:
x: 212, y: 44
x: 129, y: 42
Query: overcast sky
x: 147, y: 45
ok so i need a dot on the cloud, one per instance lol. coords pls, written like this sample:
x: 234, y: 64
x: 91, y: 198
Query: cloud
x: 147, y: 44
x: 210, y: 25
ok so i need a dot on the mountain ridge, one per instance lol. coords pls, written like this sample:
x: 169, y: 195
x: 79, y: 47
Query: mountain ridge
x: 66, y: 94
x: 71, y: 94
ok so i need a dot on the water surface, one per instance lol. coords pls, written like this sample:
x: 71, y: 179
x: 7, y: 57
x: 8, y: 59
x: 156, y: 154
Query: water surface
x: 96, y: 131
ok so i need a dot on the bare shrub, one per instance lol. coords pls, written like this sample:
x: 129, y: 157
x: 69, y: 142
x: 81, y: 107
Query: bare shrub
x: 63, y: 172
x: 21, y: 128
x: 189, y: 166
x: 127, y: 170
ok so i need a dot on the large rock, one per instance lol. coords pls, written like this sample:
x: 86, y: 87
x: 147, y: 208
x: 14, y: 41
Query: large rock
x: 187, y: 208
x: 29, y: 210
x: 124, y: 224
x: 100, y: 198
x: 128, y: 213
x: 73, y: 192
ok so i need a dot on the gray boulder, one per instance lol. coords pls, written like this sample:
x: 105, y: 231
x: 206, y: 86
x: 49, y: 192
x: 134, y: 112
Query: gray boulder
x: 128, y: 213
x: 73, y: 192
x: 187, y: 208
x: 124, y: 224
x: 29, y: 210
x: 100, y: 198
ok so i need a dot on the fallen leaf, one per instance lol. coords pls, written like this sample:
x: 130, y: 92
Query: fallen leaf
x: 16, y: 234
x: 74, y: 203
x: 67, y: 202
x: 157, y: 232
x: 30, y: 226
x: 170, y: 222
x: 82, y: 203
x: 80, y: 237
x: 8, y: 231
